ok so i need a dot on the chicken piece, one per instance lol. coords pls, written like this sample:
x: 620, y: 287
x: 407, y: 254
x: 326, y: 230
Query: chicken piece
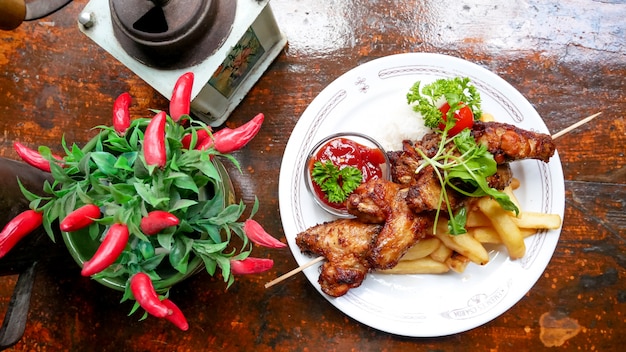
x: 346, y: 244
x: 384, y: 200
x: 502, y: 178
x: 424, y: 195
x: 404, y: 163
x: 507, y: 142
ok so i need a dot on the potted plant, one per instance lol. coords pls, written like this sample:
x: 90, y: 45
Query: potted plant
x: 146, y: 203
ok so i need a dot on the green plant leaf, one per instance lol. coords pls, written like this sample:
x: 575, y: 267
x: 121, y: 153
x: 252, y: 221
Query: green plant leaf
x: 230, y: 214
x: 207, y: 247
x: 95, y: 230
x: 166, y: 240
x: 28, y: 194
x: 125, y: 161
x: 183, y: 180
x: 147, y: 194
x: 105, y: 162
x: 152, y: 263
x: 182, y: 204
x: 224, y: 264
x: 179, y: 255
x: 207, y: 168
x: 122, y: 193
x: 210, y: 264
x: 110, y: 171
x: 213, y: 231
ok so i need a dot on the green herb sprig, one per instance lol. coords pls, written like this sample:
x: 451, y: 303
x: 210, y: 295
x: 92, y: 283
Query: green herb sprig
x: 427, y: 99
x: 336, y: 183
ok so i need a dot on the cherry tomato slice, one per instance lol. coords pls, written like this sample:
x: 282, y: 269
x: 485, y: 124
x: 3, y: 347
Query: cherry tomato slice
x: 464, y: 118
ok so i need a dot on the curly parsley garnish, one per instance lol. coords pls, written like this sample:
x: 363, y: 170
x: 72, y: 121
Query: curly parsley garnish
x: 456, y: 91
x: 336, y: 183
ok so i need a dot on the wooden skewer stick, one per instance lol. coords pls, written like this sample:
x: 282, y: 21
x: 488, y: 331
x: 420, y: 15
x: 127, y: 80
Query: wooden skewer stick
x: 576, y: 125
x: 321, y: 258
x: 294, y: 271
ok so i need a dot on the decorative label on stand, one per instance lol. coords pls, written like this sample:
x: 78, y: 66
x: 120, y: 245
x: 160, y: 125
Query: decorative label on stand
x: 242, y: 58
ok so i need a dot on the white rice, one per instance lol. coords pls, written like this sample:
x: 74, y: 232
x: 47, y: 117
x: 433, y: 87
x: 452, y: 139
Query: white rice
x: 393, y: 124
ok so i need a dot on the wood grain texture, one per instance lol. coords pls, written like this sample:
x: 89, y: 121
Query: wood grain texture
x: 567, y: 58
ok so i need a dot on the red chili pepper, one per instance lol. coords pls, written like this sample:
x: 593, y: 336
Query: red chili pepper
x: 228, y: 140
x: 143, y: 290
x: 16, y: 229
x: 121, y: 113
x: 202, y: 134
x: 110, y: 249
x: 156, y: 221
x: 250, y: 265
x: 154, y: 141
x: 176, y: 317
x: 181, y: 96
x: 80, y: 218
x: 258, y: 235
x: 32, y: 157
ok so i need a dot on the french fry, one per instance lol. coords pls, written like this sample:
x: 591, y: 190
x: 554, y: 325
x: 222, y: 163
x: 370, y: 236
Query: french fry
x: 441, y: 254
x: 531, y: 220
x: 422, y: 249
x: 486, y: 117
x: 503, y: 223
x: 476, y: 218
x: 490, y: 235
x: 457, y: 262
x: 485, y: 234
x: 464, y: 244
x: 509, y: 192
x: 418, y: 266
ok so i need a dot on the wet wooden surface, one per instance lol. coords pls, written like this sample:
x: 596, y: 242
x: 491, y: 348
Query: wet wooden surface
x: 568, y: 58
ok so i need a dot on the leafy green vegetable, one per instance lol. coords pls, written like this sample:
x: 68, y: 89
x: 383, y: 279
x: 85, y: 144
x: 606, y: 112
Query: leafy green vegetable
x: 427, y: 99
x: 336, y: 183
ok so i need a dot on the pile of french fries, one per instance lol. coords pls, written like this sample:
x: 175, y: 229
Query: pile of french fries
x: 487, y: 223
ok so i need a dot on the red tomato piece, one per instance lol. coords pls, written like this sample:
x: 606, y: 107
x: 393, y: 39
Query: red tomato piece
x: 464, y: 118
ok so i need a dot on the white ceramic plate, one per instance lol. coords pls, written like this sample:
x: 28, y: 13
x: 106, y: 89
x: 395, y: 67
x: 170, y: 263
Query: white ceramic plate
x: 421, y: 305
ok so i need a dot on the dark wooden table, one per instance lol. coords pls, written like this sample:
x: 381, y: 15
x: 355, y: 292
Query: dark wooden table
x: 568, y: 58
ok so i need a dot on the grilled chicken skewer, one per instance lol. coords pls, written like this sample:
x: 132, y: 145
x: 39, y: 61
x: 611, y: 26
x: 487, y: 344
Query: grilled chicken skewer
x: 382, y: 201
x: 504, y: 141
x: 345, y: 243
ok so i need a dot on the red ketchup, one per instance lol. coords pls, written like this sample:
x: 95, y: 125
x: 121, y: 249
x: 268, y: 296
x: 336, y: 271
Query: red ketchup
x: 345, y: 152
